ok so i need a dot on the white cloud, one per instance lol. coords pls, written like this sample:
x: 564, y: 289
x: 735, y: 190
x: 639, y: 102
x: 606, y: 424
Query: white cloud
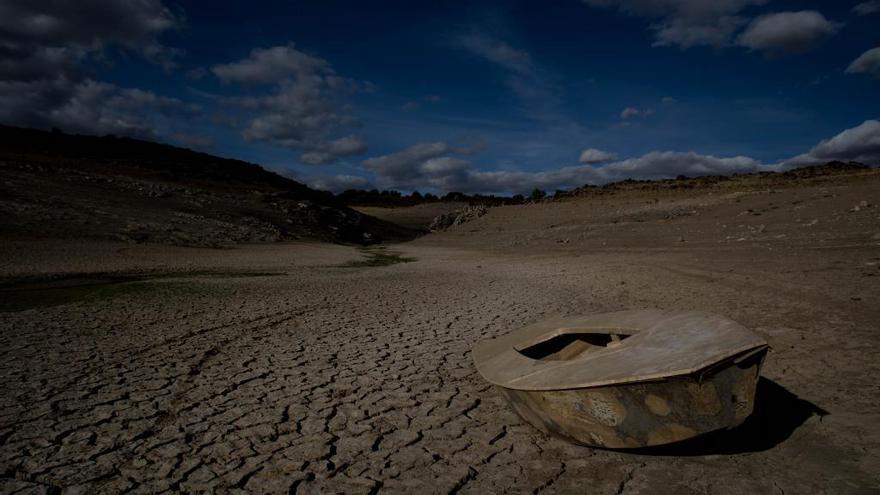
x: 498, y: 52
x: 88, y: 106
x: 593, y: 155
x: 866, y: 63
x: 102, y: 108
x: 686, y: 23
x: 428, y: 165
x: 688, y: 32
x: 635, y: 112
x: 89, y: 27
x: 331, y: 151
x: 304, y: 109
x: 44, y: 47
x: 444, y: 166
x: 860, y: 144
x: 271, y: 65
x: 663, y: 164
x: 790, y: 32
x: 867, y: 8
x: 404, y: 166
x: 654, y: 165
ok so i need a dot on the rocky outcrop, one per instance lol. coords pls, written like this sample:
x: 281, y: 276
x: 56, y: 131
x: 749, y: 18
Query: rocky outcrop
x: 458, y: 217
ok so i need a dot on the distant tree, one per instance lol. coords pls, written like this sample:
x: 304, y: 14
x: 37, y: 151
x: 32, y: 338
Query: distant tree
x: 455, y: 196
x: 417, y: 196
x: 518, y: 198
x: 537, y: 194
x: 431, y: 197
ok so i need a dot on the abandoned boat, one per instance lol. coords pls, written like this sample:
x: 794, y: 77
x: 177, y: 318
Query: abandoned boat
x: 629, y: 379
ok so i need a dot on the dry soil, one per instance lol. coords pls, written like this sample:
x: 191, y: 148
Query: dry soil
x: 291, y: 368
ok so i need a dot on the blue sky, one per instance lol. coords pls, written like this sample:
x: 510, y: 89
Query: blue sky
x: 480, y: 96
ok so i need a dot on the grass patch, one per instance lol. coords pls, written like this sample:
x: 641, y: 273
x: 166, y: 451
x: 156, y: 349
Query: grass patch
x: 22, y: 293
x: 378, y: 257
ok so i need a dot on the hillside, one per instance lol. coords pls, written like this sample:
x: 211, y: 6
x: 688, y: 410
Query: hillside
x: 61, y: 186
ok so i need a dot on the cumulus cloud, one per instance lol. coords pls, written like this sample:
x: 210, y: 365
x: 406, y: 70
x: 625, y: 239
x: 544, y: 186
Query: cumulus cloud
x: 630, y: 112
x: 790, y: 32
x: 304, y: 106
x: 866, y: 63
x: 426, y: 165
x: 686, y: 23
x: 593, y: 155
x: 635, y: 112
x: 654, y: 165
x: 402, y: 167
x: 430, y: 165
x: 332, y: 150
x: 664, y: 164
x: 688, y: 32
x: 88, y: 106
x: 860, y: 144
x: 88, y: 26
x: 867, y: 8
x: 497, y: 51
x: 271, y: 65
x: 44, y: 47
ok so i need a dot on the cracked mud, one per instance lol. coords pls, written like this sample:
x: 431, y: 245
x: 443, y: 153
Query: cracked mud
x: 320, y: 379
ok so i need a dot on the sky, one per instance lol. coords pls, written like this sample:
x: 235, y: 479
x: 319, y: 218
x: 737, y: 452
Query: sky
x: 472, y: 96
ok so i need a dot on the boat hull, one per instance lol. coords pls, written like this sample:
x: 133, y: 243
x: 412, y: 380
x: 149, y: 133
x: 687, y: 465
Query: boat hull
x: 646, y: 414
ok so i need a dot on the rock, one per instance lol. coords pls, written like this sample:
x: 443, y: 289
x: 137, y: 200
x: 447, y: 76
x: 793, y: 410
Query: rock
x: 862, y: 205
x: 458, y: 217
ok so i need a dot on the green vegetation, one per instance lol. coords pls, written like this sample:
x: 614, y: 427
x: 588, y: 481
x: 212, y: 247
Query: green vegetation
x: 23, y: 293
x: 537, y: 195
x: 378, y: 257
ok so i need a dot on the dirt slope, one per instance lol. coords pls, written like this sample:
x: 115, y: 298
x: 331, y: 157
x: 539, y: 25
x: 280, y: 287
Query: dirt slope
x: 55, y: 185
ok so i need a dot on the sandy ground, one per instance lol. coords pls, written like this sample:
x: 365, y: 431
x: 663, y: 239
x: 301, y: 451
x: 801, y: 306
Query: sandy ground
x: 278, y: 369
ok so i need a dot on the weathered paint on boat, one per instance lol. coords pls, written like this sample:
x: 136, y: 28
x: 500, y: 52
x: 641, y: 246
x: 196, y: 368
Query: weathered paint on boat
x: 630, y: 411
